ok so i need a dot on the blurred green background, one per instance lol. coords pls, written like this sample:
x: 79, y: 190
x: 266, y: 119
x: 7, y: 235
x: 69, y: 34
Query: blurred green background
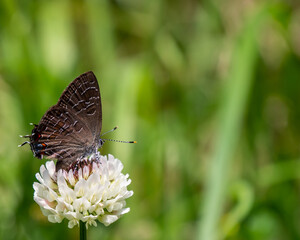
x: 209, y: 89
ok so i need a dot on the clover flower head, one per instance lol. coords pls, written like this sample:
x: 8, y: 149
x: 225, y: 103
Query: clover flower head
x: 91, y: 189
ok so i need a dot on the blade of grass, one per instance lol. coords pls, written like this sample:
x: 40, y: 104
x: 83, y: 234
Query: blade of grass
x: 238, y: 86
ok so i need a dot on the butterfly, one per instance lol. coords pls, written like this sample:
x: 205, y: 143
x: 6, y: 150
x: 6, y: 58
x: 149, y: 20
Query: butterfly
x: 70, y: 130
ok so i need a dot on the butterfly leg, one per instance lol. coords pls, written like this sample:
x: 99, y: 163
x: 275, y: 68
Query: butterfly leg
x: 109, y: 131
x: 25, y: 136
x: 23, y: 144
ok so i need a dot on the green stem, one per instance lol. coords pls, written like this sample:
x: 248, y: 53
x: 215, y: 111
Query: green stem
x: 232, y: 110
x: 82, y: 230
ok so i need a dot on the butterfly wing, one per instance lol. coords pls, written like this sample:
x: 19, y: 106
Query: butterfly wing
x: 60, y: 135
x: 70, y: 129
x: 82, y: 97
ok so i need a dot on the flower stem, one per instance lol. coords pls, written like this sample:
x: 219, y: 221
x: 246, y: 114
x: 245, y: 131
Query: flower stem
x: 82, y: 230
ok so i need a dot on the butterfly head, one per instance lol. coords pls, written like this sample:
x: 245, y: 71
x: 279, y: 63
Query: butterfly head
x: 36, y: 146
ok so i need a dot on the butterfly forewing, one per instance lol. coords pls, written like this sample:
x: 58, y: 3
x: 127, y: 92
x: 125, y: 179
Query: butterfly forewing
x: 82, y: 97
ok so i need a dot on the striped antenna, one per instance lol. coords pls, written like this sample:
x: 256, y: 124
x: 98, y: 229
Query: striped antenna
x: 113, y: 140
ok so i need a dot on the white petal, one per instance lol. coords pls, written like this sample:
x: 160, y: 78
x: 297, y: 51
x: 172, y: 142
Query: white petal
x: 127, y: 194
x: 54, y: 218
x: 67, y: 193
x: 80, y: 188
x: 123, y: 211
x: 70, y: 215
x: 51, y: 169
x: 81, y: 205
x: 38, y: 189
x: 88, y: 218
x: 108, y: 219
x: 72, y: 223
x: 39, y: 178
x: 92, y: 222
x: 71, y: 178
x: 47, y: 212
x: 51, y: 195
x: 99, y: 210
x: 80, y: 173
x: 42, y: 202
x: 86, y: 172
x: 42, y: 169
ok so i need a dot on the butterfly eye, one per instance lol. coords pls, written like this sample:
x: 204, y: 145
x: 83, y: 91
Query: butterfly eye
x: 39, y: 146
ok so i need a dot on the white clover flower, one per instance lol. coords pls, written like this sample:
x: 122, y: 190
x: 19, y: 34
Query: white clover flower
x: 93, y: 189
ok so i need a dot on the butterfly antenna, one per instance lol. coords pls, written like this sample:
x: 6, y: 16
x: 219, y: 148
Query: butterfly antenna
x: 109, y: 131
x: 113, y: 140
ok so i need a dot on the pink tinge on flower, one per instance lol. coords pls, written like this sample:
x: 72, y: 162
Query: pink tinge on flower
x: 93, y: 189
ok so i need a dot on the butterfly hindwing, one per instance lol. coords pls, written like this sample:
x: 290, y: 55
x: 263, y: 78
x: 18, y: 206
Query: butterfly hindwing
x: 60, y: 134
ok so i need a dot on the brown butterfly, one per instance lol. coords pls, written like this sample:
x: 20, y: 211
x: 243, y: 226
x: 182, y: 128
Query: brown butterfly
x: 70, y: 130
